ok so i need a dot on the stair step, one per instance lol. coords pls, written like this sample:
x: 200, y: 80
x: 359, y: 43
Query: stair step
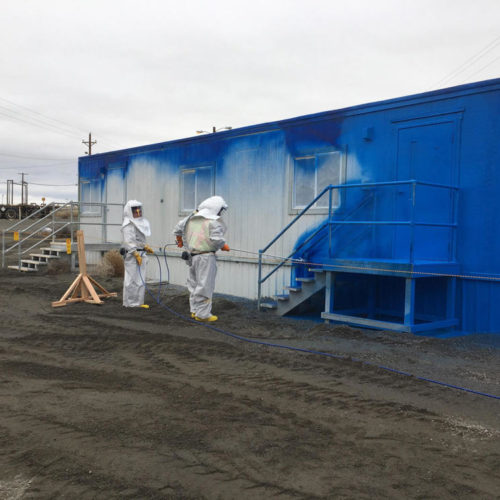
x: 306, y: 280
x: 34, y: 262
x: 43, y: 256
x: 294, y: 288
x: 58, y: 246
x: 268, y: 305
x: 316, y: 270
x: 52, y: 251
x: 23, y: 269
x: 282, y: 297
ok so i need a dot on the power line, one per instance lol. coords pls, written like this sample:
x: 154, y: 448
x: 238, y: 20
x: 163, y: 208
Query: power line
x: 76, y: 129
x: 45, y: 121
x: 34, y: 157
x: 484, y: 67
x: 469, y: 62
x: 52, y: 185
x: 56, y: 165
x: 34, y: 119
x: 45, y: 126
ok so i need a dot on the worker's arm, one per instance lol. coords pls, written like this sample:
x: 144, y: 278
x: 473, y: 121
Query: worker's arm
x: 179, y: 231
x: 217, y: 231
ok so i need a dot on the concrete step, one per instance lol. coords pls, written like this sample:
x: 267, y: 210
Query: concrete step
x: 56, y: 252
x: 42, y: 257
x: 23, y: 269
x: 34, y: 263
x: 58, y: 245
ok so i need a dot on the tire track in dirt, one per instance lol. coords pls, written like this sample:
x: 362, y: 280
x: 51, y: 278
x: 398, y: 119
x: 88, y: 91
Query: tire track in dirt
x: 111, y: 403
x: 280, y: 393
x: 48, y: 426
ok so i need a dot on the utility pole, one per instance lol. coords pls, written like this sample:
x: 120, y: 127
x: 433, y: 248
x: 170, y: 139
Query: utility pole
x: 24, y: 189
x: 89, y: 144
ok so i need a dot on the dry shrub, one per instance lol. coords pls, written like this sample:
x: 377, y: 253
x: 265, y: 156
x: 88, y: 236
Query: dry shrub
x: 111, y: 265
x: 58, y: 266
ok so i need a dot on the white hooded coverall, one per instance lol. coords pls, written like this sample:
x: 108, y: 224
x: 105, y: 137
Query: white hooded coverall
x: 135, y: 231
x: 203, y: 234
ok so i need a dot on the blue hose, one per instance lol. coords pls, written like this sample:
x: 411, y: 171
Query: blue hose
x: 308, y: 351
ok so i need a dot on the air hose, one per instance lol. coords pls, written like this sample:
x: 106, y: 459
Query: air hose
x: 303, y: 350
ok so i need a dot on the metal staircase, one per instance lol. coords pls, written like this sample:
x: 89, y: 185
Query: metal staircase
x: 47, y: 254
x: 306, y: 287
x: 27, y: 245
x: 387, y: 246
x: 30, y: 245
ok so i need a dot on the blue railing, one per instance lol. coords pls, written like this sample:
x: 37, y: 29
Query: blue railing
x: 436, y: 209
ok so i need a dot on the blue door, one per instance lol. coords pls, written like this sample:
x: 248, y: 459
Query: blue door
x: 426, y: 151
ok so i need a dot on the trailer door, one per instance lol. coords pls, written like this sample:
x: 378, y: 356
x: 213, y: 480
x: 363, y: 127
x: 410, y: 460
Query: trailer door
x: 427, y: 152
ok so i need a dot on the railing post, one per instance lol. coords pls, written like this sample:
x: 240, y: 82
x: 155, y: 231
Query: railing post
x: 330, y: 195
x: 71, y: 221
x: 53, y: 224
x: 19, y: 251
x: 412, y: 221
x: 455, y: 225
x: 3, y: 249
x: 79, y: 214
x: 259, y: 284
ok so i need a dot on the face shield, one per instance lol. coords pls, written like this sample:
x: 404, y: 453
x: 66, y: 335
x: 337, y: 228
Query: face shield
x: 132, y: 213
x: 137, y: 212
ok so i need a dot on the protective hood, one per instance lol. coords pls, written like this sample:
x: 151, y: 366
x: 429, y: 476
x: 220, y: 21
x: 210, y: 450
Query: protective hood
x: 211, y: 207
x: 140, y: 223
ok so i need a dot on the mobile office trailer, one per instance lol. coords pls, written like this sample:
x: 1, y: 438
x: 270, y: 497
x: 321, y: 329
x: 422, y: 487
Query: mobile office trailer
x: 393, y: 208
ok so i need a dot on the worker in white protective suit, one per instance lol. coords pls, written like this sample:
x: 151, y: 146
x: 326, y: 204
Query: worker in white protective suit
x: 135, y: 229
x: 202, y: 234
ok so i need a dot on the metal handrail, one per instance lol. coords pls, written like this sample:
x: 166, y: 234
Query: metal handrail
x: 32, y: 215
x: 312, y: 236
x: 329, y: 222
x: 36, y: 222
x: 54, y: 223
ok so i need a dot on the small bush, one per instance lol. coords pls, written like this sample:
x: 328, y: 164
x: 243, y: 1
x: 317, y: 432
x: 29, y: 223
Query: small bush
x: 111, y: 265
x: 58, y: 266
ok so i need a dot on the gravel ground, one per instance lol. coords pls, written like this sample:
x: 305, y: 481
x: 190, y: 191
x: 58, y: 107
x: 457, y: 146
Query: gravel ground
x: 107, y: 402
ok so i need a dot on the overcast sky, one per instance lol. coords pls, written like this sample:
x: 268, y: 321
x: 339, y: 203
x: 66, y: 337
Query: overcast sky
x: 139, y: 72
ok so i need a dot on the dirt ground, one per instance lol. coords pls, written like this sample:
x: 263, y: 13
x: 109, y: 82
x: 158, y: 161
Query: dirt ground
x: 107, y: 402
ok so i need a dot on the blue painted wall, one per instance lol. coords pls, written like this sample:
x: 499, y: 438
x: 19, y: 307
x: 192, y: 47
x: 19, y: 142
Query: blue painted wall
x: 449, y: 136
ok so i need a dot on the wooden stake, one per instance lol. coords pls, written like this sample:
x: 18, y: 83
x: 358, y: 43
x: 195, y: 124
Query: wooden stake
x: 82, y: 289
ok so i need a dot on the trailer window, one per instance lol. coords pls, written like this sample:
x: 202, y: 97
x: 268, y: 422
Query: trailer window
x: 310, y: 175
x: 197, y: 184
x: 90, y: 195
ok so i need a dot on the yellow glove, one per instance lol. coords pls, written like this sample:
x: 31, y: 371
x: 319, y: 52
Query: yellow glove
x: 148, y: 249
x: 138, y: 258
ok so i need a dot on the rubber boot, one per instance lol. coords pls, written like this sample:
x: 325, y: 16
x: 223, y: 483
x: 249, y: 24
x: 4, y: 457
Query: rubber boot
x: 210, y: 319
